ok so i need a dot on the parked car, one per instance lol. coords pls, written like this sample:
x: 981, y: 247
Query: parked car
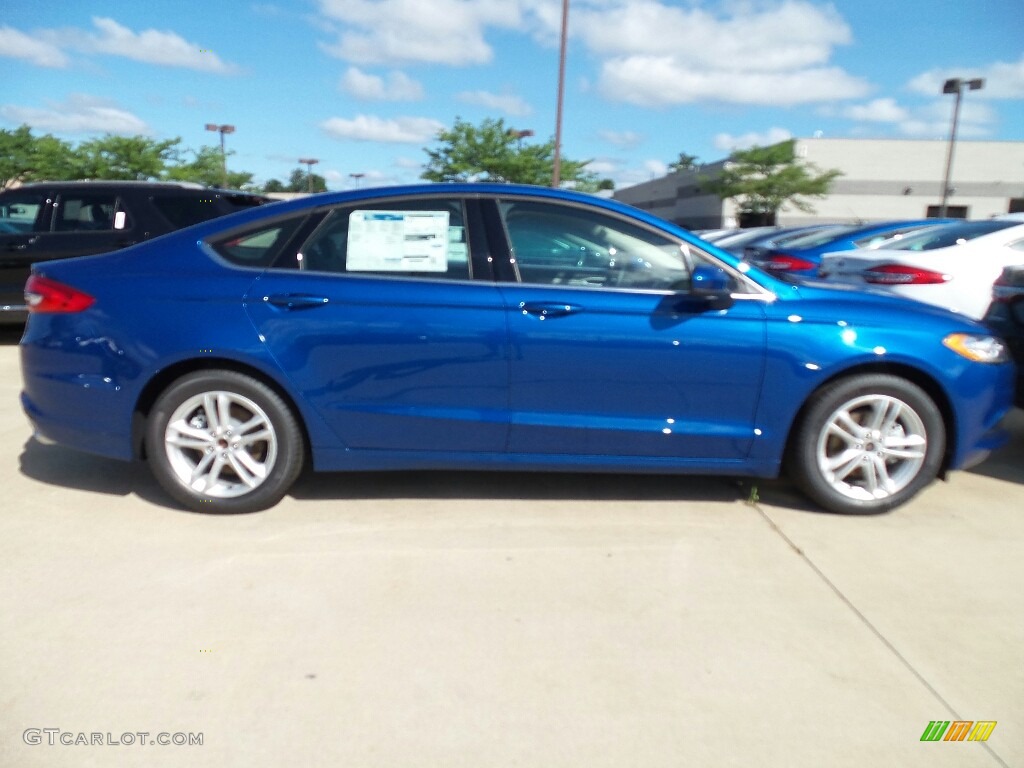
x: 480, y: 326
x: 56, y: 220
x: 735, y: 241
x: 1006, y: 317
x: 951, y: 266
x: 800, y: 257
x: 758, y: 248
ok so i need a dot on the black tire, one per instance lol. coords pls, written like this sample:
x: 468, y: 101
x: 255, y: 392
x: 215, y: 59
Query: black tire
x: 842, y: 463
x: 247, y: 469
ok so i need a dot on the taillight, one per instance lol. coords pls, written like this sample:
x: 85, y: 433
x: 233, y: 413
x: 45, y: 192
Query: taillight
x: 899, y: 274
x: 45, y: 295
x: 783, y: 262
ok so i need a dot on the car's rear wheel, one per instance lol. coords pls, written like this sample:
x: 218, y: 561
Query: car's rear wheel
x: 867, y: 444
x: 221, y: 441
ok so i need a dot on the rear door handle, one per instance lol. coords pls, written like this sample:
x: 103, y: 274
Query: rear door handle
x: 296, y: 300
x: 546, y: 309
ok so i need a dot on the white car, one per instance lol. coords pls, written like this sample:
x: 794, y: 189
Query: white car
x: 950, y: 265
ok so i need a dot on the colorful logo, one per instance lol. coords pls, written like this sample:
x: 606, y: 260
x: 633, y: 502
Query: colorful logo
x: 958, y: 730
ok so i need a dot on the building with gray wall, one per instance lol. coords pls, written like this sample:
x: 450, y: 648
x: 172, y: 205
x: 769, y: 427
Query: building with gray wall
x: 882, y: 179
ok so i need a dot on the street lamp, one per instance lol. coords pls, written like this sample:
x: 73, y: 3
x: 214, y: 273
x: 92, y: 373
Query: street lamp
x: 955, y: 85
x: 519, y: 136
x: 358, y: 178
x: 309, y: 163
x: 556, y: 174
x: 222, y: 129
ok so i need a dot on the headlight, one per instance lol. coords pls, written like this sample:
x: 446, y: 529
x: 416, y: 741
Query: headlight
x: 980, y: 349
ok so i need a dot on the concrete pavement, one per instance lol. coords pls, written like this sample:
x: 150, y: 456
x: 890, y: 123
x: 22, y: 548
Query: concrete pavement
x: 503, y: 620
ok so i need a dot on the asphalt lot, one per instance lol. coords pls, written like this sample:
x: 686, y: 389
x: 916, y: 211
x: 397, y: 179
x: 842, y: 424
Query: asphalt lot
x: 503, y: 619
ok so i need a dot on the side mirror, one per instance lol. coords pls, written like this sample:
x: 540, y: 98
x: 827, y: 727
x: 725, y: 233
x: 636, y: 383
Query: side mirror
x: 712, y: 284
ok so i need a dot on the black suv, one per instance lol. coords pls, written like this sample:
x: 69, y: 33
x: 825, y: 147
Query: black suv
x: 60, y: 219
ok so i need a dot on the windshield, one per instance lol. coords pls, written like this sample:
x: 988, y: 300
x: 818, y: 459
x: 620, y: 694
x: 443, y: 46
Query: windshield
x: 944, y: 235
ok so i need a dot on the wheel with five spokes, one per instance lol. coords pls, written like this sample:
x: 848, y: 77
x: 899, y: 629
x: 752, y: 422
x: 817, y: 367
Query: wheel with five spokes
x: 221, y: 441
x: 867, y: 443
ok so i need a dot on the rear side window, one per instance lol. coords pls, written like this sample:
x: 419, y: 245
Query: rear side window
x: 257, y: 247
x: 414, y: 238
x: 19, y: 213
x: 184, y: 210
x: 92, y: 212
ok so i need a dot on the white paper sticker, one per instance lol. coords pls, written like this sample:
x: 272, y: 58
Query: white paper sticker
x: 397, y: 241
x: 119, y: 219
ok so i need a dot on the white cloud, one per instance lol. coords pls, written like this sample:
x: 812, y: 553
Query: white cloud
x: 602, y: 167
x: 441, y: 32
x: 79, y: 114
x: 401, y: 130
x: 408, y: 164
x: 727, y: 142
x: 1003, y: 80
x: 397, y: 87
x: 929, y: 121
x: 17, y: 45
x: 657, y: 54
x: 655, y: 81
x: 510, y: 104
x: 877, y: 111
x: 627, y: 139
x: 150, y: 46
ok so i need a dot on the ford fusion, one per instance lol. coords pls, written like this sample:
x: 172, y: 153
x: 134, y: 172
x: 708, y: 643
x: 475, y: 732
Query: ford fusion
x: 493, y: 327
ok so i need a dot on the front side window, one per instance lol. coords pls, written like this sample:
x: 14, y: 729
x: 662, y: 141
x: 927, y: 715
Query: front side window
x: 19, y: 213
x: 566, y: 245
x: 411, y: 238
x: 95, y: 212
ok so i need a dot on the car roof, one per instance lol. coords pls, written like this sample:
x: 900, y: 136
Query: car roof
x: 127, y: 184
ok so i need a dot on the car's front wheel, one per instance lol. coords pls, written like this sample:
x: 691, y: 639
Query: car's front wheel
x: 221, y: 441
x: 867, y: 444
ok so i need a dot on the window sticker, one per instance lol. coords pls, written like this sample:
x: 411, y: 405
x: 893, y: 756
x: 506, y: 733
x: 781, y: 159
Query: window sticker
x: 398, y: 241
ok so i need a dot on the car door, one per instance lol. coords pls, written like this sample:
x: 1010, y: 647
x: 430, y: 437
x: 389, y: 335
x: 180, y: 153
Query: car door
x: 611, y: 354
x: 389, y: 323
x: 86, y: 222
x: 24, y: 218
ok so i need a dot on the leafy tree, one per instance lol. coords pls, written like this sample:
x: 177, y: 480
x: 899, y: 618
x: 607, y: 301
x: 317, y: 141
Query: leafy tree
x: 299, y: 181
x: 125, y: 157
x: 274, y: 185
x: 493, y: 152
x: 206, y: 168
x: 685, y: 163
x: 763, y: 179
x: 24, y: 157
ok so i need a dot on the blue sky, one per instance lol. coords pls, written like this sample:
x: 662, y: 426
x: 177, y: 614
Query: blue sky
x: 364, y: 85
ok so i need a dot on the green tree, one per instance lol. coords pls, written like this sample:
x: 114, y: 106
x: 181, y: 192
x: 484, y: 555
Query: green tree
x: 205, y: 167
x: 763, y: 179
x: 125, y: 157
x: 493, y: 152
x: 299, y: 181
x: 685, y: 163
x: 274, y: 185
x: 24, y: 157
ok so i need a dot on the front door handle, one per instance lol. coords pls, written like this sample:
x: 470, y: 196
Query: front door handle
x: 546, y: 309
x: 296, y: 300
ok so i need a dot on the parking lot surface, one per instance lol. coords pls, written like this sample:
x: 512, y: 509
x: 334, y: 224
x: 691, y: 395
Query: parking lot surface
x: 475, y: 620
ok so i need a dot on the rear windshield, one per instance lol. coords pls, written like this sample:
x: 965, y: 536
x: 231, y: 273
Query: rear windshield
x: 186, y: 210
x: 945, y: 235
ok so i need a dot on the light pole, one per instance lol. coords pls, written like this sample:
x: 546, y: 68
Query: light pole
x: 556, y: 174
x: 309, y: 163
x: 519, y: 136
x: 358, y: 178
x: 955, y: 85
x: 222, y: 129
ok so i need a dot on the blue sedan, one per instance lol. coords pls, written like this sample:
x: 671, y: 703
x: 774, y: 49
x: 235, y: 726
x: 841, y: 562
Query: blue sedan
x: 800, y: 257
x: 493, y: 327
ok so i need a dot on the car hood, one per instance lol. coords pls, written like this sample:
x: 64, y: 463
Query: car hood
x: 818, y: 301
